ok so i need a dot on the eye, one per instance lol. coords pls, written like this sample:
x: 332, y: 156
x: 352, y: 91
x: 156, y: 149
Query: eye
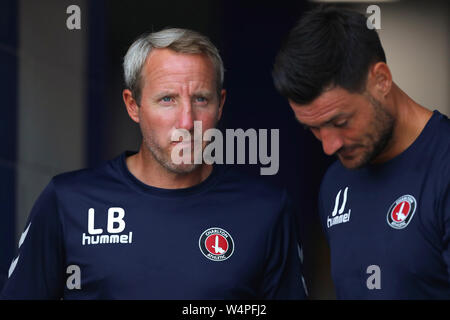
x: 340, y: 123
x: 166, y: 100
x: 200, y: 100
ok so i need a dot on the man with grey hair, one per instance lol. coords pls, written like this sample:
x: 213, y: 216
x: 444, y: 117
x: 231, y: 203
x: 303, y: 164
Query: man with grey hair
x: 142, y: 226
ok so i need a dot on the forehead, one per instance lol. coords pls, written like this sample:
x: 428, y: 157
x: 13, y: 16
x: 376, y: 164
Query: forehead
x: 166, y: 66
x: 329, y: 104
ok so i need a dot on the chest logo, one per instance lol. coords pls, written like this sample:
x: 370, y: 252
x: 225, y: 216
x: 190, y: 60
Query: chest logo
x: 339, y: 215
x: 216, y: 244
x: 115, y: 229
x: 401, y: 212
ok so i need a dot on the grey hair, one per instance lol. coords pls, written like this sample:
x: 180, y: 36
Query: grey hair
x: 178, y: 40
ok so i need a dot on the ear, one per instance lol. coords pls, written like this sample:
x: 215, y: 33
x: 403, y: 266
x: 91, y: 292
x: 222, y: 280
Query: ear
x: 131, y: 105
x: 379, y: 80
x: 223, y: 95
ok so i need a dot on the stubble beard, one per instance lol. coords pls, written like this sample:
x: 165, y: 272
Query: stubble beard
x: 380, y: 134
x: 164, y: 160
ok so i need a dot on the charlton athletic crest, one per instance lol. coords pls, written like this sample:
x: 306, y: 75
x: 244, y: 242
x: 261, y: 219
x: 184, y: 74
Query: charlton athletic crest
x: 216, y: 244
x: 401, y: 212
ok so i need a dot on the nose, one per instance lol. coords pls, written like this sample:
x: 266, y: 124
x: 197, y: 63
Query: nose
x: 186, y: 117
x: 331, y: 140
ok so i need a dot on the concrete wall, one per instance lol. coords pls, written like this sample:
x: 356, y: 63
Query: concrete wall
x: 51, y: 100
x: 415, y: 36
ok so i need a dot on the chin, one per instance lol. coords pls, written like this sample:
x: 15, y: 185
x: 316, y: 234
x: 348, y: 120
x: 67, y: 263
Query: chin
x: 181, y: 168
x: 354, y: 163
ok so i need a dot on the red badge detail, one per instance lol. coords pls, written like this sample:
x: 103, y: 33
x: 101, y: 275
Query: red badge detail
x: 401, y: 211
x: 216, y: 244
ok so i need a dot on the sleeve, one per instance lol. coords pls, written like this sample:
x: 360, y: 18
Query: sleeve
x: 444, y: 210
x: 37, y: 270
x: 283, y: 278
x: 322, y: 213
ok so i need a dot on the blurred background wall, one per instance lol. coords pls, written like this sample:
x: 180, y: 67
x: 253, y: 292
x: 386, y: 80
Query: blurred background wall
x: 62, y: 108
x: 415, y: 36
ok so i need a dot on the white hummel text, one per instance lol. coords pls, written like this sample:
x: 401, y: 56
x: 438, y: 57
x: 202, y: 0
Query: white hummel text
x: 338, y: 216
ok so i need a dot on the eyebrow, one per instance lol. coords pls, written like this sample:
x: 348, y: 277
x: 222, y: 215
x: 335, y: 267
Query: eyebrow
x: 203, y: 93
x: 200, y: 93
x: 162, y: 94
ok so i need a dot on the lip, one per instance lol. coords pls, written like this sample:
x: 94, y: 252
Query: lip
x: 191, y: 142
x: 348, y: 153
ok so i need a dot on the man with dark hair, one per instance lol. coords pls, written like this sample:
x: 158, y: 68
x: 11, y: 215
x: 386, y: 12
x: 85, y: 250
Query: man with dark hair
x: 385, y: 206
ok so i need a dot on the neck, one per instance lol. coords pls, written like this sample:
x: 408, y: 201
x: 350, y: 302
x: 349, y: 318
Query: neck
x: 410, y: 120
x: 149, y: 171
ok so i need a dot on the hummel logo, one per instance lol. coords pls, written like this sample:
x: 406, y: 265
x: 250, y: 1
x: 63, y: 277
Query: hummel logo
x: 116, y: 224
x: 340, y: 218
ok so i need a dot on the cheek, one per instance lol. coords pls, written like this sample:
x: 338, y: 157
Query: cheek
x: 352, y: 136
x: 360, y: 137
x: 155, y: 125
x: 208, y: 118
x: 159, y: 117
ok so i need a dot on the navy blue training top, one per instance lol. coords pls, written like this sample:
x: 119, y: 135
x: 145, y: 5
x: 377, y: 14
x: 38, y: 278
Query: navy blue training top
x: 388, y: 225
x: 102, y: 234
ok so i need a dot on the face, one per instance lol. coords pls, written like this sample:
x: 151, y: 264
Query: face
x: 355, y: 127
x: 177, y: 90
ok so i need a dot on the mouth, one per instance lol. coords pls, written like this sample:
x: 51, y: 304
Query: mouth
x: 348, y: 152
x: 185, y: 142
